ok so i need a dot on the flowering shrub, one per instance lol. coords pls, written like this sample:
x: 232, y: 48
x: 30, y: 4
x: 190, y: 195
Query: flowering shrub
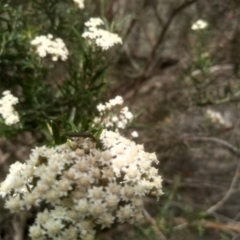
x: 49, y: 65
x: 75, y: 186
x: 84, y: 186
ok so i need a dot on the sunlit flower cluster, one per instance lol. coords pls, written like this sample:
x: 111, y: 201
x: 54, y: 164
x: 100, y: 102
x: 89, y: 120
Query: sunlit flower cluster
x: 199, y: 24
x: 100, y: 37
x: 54, y: 47
x: 113, y: 116
x: 80, y: 3
x: 80, y: 187
x: 7, y: 111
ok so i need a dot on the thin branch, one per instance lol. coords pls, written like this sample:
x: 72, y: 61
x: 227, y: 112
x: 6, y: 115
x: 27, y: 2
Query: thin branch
x: 235, y: 178
x: 153, y: 222
x: 236, y: 237
x: 213, y: 139
x: 194, y: 183
x: 167, y: 24
x: 154, y: 7
x: 215, y: 207
x: 237, y: 216
x: 206, y: 224
x: 164, y: 30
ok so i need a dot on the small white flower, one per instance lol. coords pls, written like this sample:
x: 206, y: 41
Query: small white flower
x: 121, y: 125
x: 14, y: 204
x: 58, y: 212
x: 199, y: 24
x: 106, y: 220
x: 83, y: 207
x: 101, y: 107
x: 53, y: 227
x: 127, y: 192
x: 134, y: 134
x: 36, y: 232
x: 118, y: 100
x: 94, y: 22
x: 6, y: 186
x: 132, y: 173
x: 52, y: 196
x: 140, y: 189
x: 42, y: 217
x: 95, y: 193
x: 98, y: 208
x: 115, y: 119
x: 217, y: 117
x: 137, y: 202
x: 113, y: 188
x: 124, y: 213
x: 70, y: 233
x: 63, y: 186
x: 41, y: 188
x: 112, y: 200
x: 30, y: 199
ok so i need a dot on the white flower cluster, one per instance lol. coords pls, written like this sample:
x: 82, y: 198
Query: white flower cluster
x: 80, y: 3
x: 102, y: 38
x: 217, y: 117
x: 7, y: 111
x: 47, y: 45
x: 83, y: 187
x: 113, y: 116
x: 199, y: 24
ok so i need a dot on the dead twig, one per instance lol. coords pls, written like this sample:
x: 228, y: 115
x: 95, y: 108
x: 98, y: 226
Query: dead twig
x: 236, y: 175
x: 213, y: 139
x: 207, y: 224
x: 215, y: 207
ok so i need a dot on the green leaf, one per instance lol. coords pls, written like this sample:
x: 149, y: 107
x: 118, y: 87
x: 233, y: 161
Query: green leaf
x: 73, y: 126
x: 98, y: 74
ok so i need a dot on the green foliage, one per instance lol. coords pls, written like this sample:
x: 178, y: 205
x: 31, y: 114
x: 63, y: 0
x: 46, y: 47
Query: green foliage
x: 48, y: 90
x: 200, y: 77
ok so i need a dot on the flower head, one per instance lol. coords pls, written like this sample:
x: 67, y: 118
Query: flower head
x: 7, y: 111
x: 83, y: 189
x: 46, y: 45
x: 199, y: 24
x: 113, y: 115
x: 100, y: 37
x: 80, y: 3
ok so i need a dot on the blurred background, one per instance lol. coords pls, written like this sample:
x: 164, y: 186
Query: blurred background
x: 183, y: 81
